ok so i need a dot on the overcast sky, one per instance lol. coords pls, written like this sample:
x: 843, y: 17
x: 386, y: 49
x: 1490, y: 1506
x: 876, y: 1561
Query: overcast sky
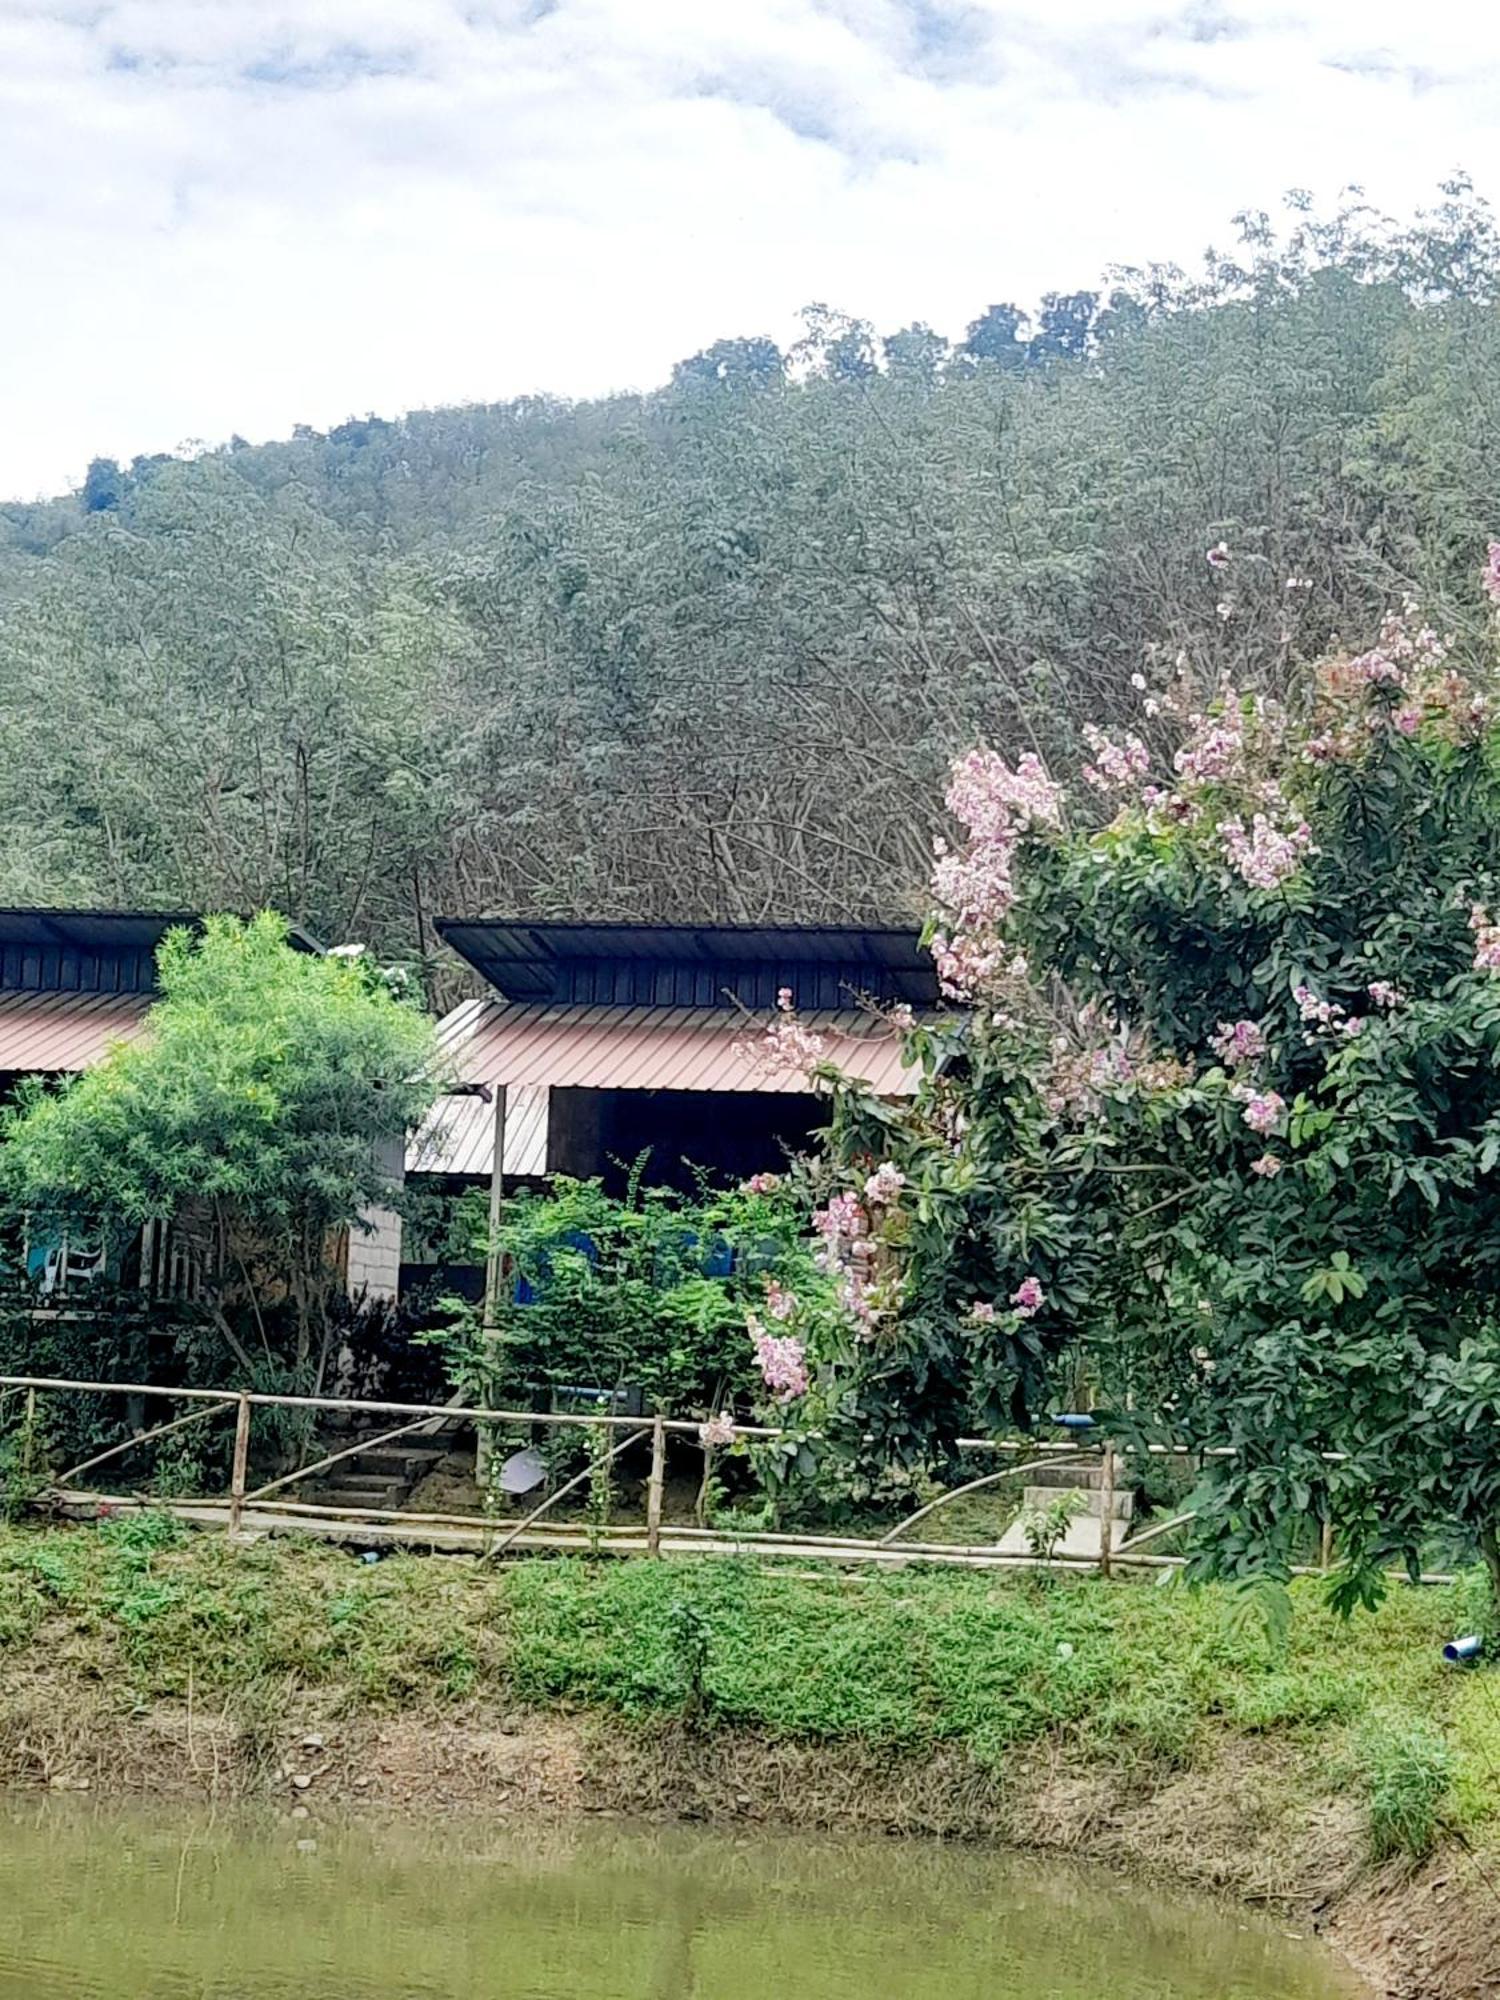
x: 237, y: 215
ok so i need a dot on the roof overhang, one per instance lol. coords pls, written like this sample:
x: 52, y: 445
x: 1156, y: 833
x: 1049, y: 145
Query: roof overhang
x: 533, y: 961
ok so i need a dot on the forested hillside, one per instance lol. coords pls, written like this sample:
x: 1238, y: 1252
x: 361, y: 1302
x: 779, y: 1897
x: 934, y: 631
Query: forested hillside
x: 706, y: 652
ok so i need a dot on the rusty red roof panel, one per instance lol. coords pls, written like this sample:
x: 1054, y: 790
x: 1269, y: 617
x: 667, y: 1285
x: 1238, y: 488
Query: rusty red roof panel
x: 51, y: 1032
x: 655, y: 1048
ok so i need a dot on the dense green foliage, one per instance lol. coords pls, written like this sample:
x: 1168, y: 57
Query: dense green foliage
x: 651, y: 1292
x: 1120, y: 1675
x: 1227, y: 1111
x: 265, y: 1097
x: 709, y: 650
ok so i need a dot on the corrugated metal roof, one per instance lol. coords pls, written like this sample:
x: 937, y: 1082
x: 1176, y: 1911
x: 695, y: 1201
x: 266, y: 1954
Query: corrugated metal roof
x: 49, y: 1032
x: 530, y: 961
x: 654, y: 1048
x: 458, y: 1135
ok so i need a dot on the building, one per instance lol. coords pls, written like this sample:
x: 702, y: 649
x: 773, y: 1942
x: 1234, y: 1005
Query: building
x: 72, y: 984
x: 597, y: 1043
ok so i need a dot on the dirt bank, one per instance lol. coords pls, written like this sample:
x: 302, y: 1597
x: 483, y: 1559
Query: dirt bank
x: 1255, y: 1829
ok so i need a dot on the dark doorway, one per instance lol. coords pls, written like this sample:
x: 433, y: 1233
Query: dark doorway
x: 727, y: 1134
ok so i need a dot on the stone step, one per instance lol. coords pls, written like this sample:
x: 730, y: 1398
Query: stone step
x: 1091, y: 1500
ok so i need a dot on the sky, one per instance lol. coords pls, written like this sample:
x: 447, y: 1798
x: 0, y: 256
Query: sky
x: 231, y: 216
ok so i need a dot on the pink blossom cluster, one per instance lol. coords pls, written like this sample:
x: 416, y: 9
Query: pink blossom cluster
x: 782, y: 1360
x: 1218, y: 556
x: 885, y: 1184
x: 1117, y: 767
x: 1385, y: 994
x: 717, y: 1431
x: 1264, y: 1109
x: 1326, y: 1013
x: 1486, y: 940
x: 1238, y: 1042
x: 1028, y: 1298
x: 780, y: 1303
x: 1215, y: 750
x: 1076, y: 1078
x: 761, y: 1184
x: 842, y: 1220
x: 984, y: 1312
x: 968, y: 962
x: 1265, y: 856
x: 1490, y: 575
x: 787, y: 1046
x: 1268, y: 1166
x: 974, y: 886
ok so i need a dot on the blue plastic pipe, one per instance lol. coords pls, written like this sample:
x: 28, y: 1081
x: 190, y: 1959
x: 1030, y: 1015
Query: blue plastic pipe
x: 1458, y: 1652
x: 1073, y: 1420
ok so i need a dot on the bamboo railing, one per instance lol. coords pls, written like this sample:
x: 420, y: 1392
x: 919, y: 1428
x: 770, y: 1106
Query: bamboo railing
x: 247, y: 1511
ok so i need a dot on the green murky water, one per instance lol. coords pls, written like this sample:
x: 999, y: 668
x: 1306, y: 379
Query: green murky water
x: 156, y: 1909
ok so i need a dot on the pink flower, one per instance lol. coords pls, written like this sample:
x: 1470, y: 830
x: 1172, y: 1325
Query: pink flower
x: 1385, y: 994
x: 1490, y: 576
x: 885, y: 1184
x: 1407, y: 720
x: 1218, y: 556
x: 902, y: 1017
x: 782, y: 1360
x: 1267, y: 1166
x: 1238, y: 1042
x: 843, y: 1217
x: 784, y: 999
x: 718, y: 1430
x: 1027, y: 1297
x: 1117, y: 767
x: 982, y: 1312
x: 1322, y: 1012
x: 1265, y: 857
x: 1353, y: 1025
x: 1264, y: 1109
x: 761, y: 1184
x: 780, y: 1303
x: 1486, y: 940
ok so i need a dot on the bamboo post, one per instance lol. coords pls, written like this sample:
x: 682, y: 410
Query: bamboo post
x: 241, y: 1462
x: 654, y: 1488
x: 1107, y: 1512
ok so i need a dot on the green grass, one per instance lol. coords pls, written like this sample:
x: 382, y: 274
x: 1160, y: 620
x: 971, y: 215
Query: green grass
x: 1133, y: 1675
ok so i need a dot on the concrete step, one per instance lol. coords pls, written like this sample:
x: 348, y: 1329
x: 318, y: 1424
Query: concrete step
x: 384, y: 1497
x: 1081, y: 1539
x: 403, y: 1460
x: 1043, y: 1473
x: 1091, y: 1501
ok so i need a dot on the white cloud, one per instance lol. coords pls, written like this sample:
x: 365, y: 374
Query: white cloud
x: 233, y: 215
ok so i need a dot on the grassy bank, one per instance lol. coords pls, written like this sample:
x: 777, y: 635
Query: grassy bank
x: 1156, y: 1724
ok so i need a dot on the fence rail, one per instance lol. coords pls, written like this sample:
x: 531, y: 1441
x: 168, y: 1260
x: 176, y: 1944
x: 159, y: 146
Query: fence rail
x: 247, y: 1511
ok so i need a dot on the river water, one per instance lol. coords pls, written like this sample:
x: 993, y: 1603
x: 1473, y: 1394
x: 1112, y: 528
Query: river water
x: 161, y: 1908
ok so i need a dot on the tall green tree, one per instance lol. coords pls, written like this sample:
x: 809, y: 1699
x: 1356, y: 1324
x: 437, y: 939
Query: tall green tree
x: 268, y: 1093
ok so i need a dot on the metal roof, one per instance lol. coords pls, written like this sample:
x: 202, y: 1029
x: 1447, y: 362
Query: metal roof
x: 458, y: 1135
x: 50, y: 1032
x: 92, y: 930
x: 655, y: 1048
x: 525, y: 961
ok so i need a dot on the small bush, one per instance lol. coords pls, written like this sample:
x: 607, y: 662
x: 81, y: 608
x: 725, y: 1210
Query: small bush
x: 1407, y: 1769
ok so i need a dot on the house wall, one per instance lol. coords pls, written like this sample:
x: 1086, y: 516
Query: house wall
x: 374, y: 1260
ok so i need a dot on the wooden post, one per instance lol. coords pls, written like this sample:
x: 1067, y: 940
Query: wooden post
x: 484, y: 1442
x: 1107, y: 1512
x: 492, y: 1262
x: 654, y: 1488
x: 241, y: 1462
x: 1325, y: 1545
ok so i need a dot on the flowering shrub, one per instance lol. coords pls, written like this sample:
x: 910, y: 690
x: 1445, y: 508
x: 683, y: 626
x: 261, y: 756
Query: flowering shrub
x: 1225, y: 1109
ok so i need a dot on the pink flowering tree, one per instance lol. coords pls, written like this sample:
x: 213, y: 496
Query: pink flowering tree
x: 1222, y: 1127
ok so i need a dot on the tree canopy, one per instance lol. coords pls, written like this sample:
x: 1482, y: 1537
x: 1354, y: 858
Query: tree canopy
x: 708, y: 651
x: 1222, y: 1130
